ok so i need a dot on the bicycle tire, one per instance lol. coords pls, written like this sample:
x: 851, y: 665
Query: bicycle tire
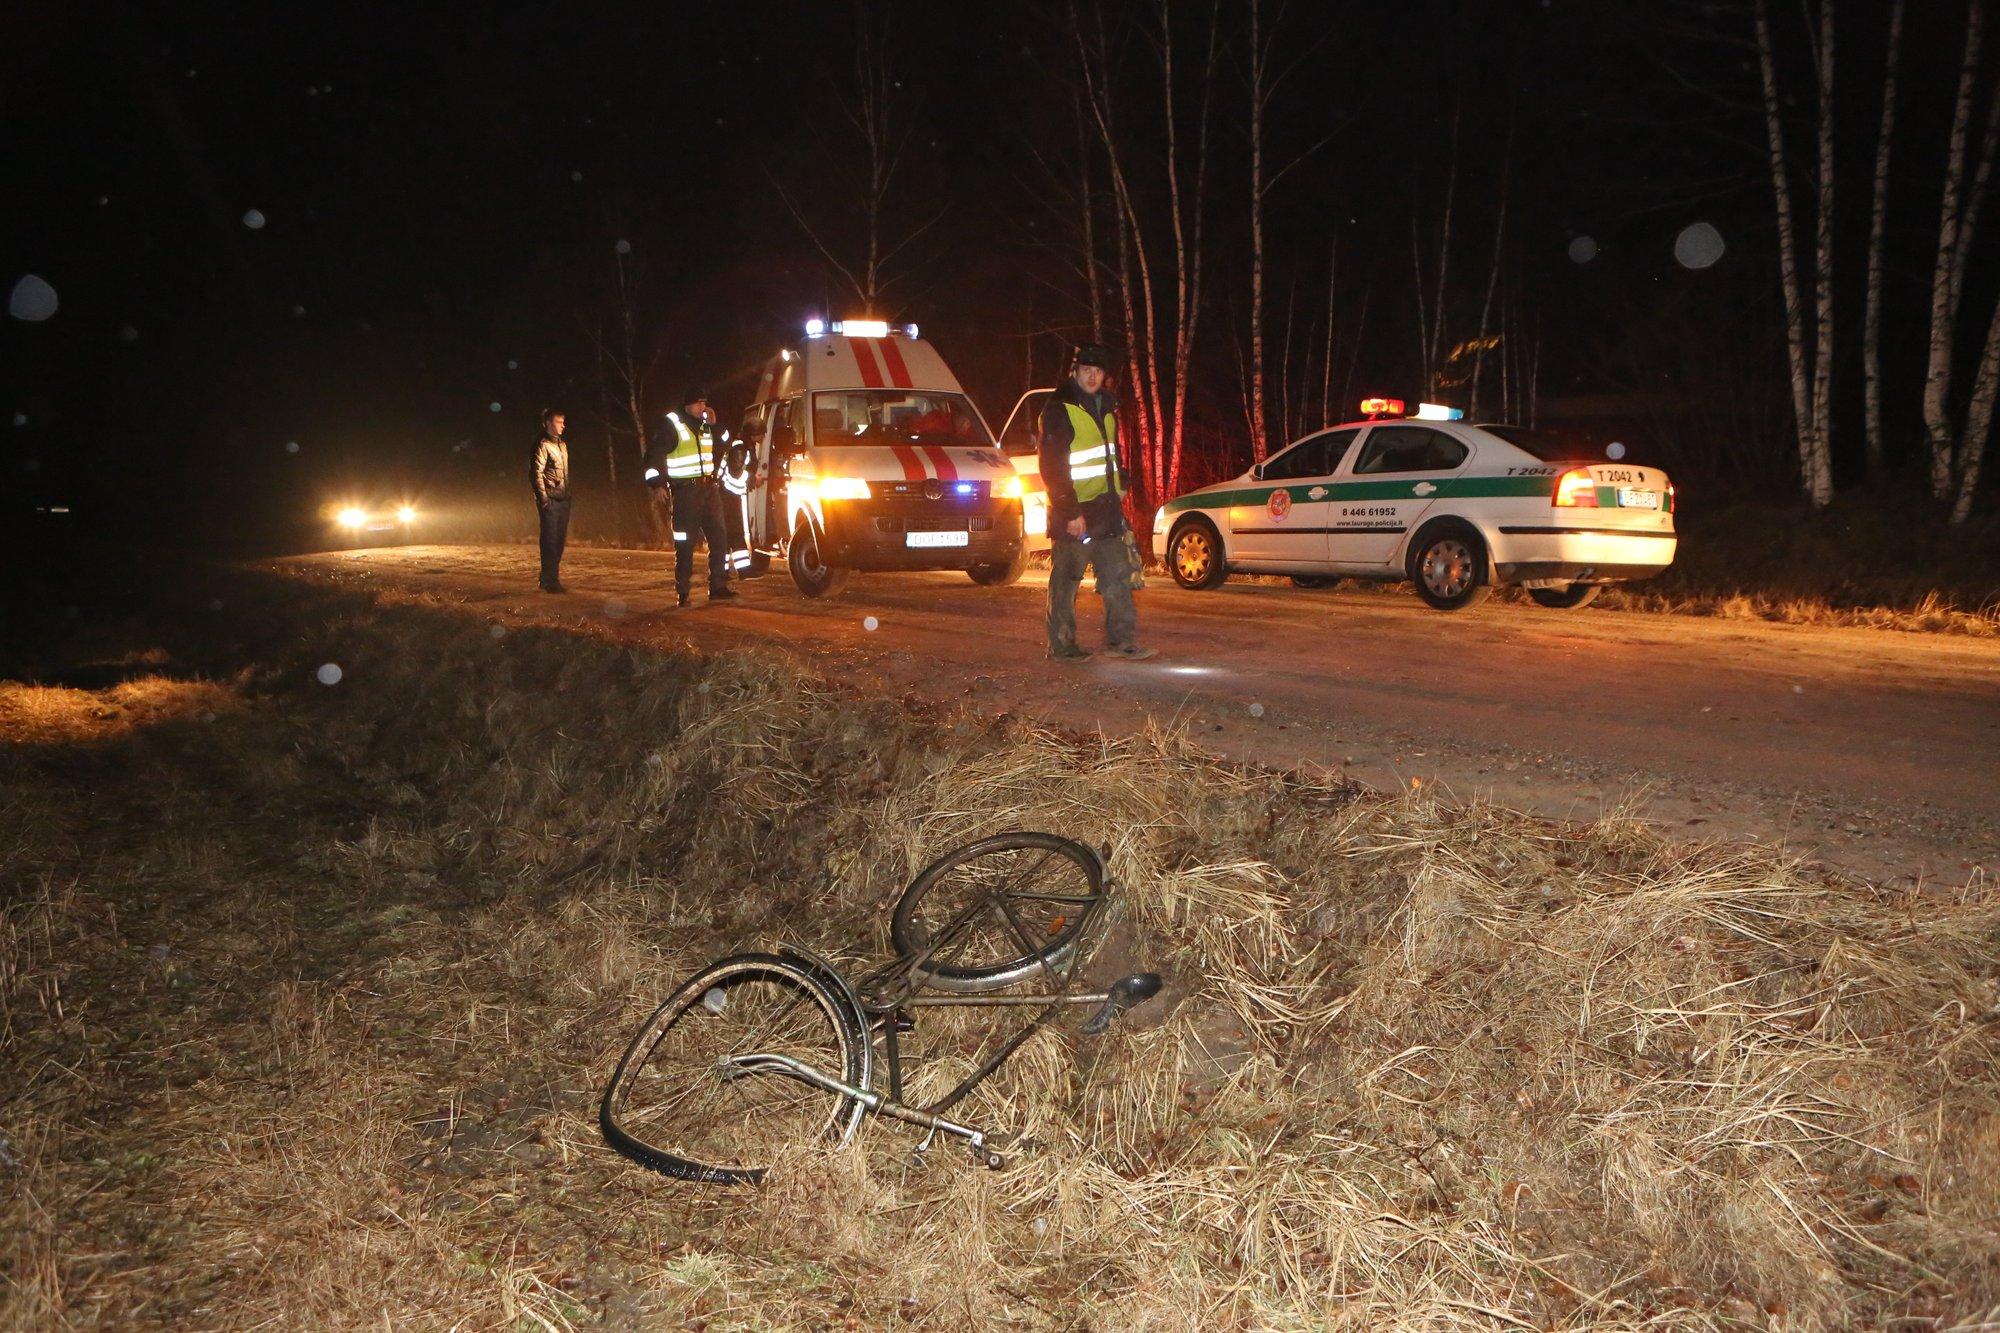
x: 671, y: 1107
x: 1047, y: 886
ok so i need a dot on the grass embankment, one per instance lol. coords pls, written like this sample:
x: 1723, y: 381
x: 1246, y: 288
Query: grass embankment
x: 1873, y: 563
x: 307, y: 992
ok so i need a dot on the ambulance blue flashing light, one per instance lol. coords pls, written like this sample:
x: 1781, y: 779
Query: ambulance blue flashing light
x: 815, y: 328
x: 911, y: 330
x: 1438, y: 412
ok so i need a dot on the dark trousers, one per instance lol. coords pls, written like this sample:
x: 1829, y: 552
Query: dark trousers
x: 698, y: 513
x: 1068, y: 558
x: 555, y: 532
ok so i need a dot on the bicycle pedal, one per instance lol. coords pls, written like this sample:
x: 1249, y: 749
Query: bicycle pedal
x: 901, y: 1022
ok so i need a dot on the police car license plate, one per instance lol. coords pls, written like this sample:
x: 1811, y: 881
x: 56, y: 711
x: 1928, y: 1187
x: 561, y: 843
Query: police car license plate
x: 937, y: 539
x: 1631, y: 499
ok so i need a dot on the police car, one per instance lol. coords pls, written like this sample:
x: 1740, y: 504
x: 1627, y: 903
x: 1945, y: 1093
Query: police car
x: 1455, y: 508
x: 866, y: 454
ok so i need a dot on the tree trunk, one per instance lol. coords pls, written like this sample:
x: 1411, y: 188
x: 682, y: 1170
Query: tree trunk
x: 1187, y: 240
x: 1090, y: 222
x: 1259, y: 441
x: 1877, y: 220
x: 1354, y: 351
x: 1788, y: 254
x: 1493, y: 274
x: 1978, y: 421
x: 1444, y: 247
x: 1142, y: 392
x: 1819, y: 481
x: 1968, y: 223
x: 1285, y: 371
x: 1326, y: 362
x: 1937, y: 377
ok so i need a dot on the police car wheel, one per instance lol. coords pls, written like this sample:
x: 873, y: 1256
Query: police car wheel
x: 1315, y: 580
x: 813, y: 575
x: 1194, y: 555
x: 1573, y: 598
x: 1448, y: 567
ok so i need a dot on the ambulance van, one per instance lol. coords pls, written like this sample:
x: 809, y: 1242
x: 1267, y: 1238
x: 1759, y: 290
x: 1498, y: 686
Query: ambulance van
x: 866, y: 454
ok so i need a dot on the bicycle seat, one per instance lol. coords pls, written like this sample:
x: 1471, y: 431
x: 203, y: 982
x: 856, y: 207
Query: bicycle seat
x: 1123, y: 993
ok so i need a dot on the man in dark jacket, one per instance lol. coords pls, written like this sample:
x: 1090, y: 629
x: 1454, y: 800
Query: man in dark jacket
x: 1086, y: 486
x: 550, y: 475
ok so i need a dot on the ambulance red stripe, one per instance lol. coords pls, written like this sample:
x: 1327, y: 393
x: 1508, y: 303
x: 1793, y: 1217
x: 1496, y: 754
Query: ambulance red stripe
x: 937, y: 455
x: 892, y: 357
x: 864, y: 360
x: 913, y: 470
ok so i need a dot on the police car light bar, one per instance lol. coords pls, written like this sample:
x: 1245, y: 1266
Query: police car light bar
x: 862, y: 328
x: 816, y: 328
x: 1438, y: 412
x: 1381, y: 407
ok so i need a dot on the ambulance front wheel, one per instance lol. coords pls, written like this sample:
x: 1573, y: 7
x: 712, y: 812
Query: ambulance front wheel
x: 1002, y: 572
x: 811, y: 572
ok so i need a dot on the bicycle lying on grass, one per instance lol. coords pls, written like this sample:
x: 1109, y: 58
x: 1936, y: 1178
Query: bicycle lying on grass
x: 759, y: 1051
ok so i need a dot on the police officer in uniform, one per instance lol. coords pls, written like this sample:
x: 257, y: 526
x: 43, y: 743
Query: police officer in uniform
x: 1086, y: 486
x: 738, y: 475
x: 685, y: 459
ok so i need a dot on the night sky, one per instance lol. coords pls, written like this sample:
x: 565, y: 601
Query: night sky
x: 442, y: 194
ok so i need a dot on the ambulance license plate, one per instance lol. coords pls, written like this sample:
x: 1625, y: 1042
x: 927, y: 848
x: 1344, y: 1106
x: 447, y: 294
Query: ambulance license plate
x: 1631, y: 499
x: 937, y: 539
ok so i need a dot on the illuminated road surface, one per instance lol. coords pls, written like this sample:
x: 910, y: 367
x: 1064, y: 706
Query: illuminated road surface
x: 1876, y: 750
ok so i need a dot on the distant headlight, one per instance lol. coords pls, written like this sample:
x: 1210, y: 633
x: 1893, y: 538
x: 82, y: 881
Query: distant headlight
x: 406, y: 515
x: 353, y: 518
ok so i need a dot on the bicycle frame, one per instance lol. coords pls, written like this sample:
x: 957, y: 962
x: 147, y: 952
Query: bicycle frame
x: 883, y: 995
x: 1011, y: 937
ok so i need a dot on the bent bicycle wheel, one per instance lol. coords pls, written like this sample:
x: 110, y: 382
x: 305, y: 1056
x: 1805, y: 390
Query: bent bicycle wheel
x: 998, y: 911
x: 679, y: 1105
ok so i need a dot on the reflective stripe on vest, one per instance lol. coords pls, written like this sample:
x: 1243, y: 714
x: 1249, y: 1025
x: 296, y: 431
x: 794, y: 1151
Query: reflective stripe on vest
x: 694, y: 453
x: 1091, y: 455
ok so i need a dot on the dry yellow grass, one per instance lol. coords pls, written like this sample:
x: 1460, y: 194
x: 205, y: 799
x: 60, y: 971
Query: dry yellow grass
x: 304, y: 1010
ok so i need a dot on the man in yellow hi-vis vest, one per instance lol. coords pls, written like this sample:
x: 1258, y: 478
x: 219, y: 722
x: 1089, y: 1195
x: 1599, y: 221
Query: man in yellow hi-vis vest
x: 1086, y: 485
x: 686, y: 459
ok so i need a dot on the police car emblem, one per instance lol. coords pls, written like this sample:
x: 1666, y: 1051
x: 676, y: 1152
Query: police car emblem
x: 1280, y: 504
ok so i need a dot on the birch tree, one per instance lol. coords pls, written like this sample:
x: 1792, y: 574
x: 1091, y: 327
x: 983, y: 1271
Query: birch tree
x: 1266, y: 77
x: 1187, y: 235
x: 1978, y: 420
x: 1816, y: 476
x: 1135, y: 289
x: 1260, y: 99
x: 1871, y: 351
x: 1819, y: 476
x: 622, y: 379
x: 1937, y: 374
x: 882, y: 125
x: 1326, y: 361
